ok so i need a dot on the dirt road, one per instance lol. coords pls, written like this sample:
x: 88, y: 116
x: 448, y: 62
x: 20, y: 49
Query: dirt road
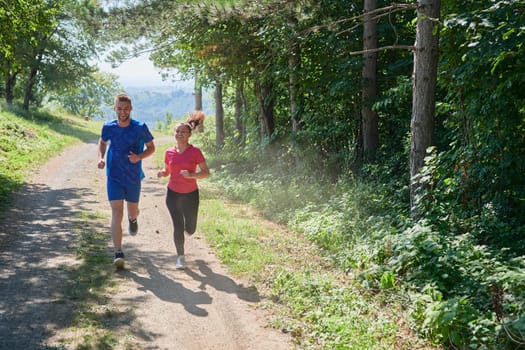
x: 198, y: 308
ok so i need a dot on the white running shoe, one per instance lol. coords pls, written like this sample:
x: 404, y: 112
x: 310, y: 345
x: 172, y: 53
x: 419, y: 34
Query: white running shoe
x: 119, y: 259
x: 181, y: 262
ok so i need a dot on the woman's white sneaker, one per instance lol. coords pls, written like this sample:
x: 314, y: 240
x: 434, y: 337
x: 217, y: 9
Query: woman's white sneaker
x: 181, y: 262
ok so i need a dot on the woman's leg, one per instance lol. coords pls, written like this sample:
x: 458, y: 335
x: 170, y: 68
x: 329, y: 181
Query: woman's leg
x: 191, y: 211
x: 175, y: 205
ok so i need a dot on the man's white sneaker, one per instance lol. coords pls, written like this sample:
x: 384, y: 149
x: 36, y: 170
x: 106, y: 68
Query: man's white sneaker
x: 181, y: 262
x: 119, y: 259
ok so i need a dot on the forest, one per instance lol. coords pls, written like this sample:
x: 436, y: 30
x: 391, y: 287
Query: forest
x: 399, y: 128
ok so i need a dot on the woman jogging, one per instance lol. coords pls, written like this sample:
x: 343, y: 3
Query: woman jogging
x: 185, y: 164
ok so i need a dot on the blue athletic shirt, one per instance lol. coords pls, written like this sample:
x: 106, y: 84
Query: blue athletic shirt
x: 123, y: 140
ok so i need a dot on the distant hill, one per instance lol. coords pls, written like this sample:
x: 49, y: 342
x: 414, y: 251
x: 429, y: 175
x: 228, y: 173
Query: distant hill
x: 152, y: 103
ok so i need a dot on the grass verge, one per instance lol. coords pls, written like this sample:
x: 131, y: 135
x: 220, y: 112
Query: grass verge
x: 96, y: 323
x: 319, y: 306
x: 28, y: 140
x: 85, y: 291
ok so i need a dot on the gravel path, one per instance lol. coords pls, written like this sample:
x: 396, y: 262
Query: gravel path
x: 198, y: 308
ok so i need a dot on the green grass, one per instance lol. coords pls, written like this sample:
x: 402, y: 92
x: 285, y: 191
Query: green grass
x: 320, y: 307
x: 94, y: 321
x: 27, y: 140
x: 240, y: 243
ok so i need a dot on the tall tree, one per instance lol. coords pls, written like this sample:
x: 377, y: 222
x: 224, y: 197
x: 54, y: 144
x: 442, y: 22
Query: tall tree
x: 266, y: 100
x: 45, y: 36
x: 219, y: 116
x: 369, y: 77
x: 23, y: 26
x: 198, y: 93
x: 423, y: 90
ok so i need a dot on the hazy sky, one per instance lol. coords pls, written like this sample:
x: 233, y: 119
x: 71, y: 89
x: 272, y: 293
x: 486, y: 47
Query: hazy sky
x: 136, y: 72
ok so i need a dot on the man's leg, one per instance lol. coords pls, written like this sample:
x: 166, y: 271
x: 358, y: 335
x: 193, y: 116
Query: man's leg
x: 132, y: 201
x: 133, y: 210
x: 117, y: 212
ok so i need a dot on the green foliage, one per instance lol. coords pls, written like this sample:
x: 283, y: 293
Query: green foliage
x: 46, y: 45
x: 332, y: 312
x: 483, y: 120
x: 464, y: 293
x: 467, y: 287
x: 393, y: 108
x: 245, y: 44
x: 86, y: 98
x: 462, y: 252
x: 447, y: 321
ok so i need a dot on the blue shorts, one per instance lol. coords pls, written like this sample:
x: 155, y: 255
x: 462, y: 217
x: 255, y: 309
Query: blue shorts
x: 117, y: 191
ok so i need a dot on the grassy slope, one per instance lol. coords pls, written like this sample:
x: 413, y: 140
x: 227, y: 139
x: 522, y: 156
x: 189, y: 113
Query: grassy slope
x: 28, y: 141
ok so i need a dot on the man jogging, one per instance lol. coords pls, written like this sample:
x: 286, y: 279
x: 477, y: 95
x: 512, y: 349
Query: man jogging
x: 126, y: 139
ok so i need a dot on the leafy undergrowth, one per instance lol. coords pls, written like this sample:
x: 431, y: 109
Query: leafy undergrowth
x: 377, y: 278
x: 387, y: 277
x: 318, y: 305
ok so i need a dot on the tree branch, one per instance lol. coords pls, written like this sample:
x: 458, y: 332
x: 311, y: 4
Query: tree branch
x: 390, y: 47
x: 375, y: 14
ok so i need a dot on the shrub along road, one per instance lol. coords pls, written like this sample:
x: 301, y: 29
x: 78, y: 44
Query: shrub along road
x: 60, y: 291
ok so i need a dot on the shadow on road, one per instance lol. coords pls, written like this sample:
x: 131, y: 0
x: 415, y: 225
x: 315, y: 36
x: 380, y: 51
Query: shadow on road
x: 37, y: 256
x: 169, y: 290
x: 222, y: 283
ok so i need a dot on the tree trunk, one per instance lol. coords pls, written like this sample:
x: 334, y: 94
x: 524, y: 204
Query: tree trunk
x: 9, y: 87
x: 424, y: 88
x: 198, y: 94
x: 294, y: 62
x: 219, y: 117
x: 266, y: 103
x: 29, y: 88
x: 239, y: 122
x: 369, y: 74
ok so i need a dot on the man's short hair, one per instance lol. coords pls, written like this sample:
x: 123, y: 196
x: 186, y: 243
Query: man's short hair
x: 122, y: 98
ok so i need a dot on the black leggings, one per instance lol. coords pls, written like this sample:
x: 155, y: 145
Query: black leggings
x: 183, y: 208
